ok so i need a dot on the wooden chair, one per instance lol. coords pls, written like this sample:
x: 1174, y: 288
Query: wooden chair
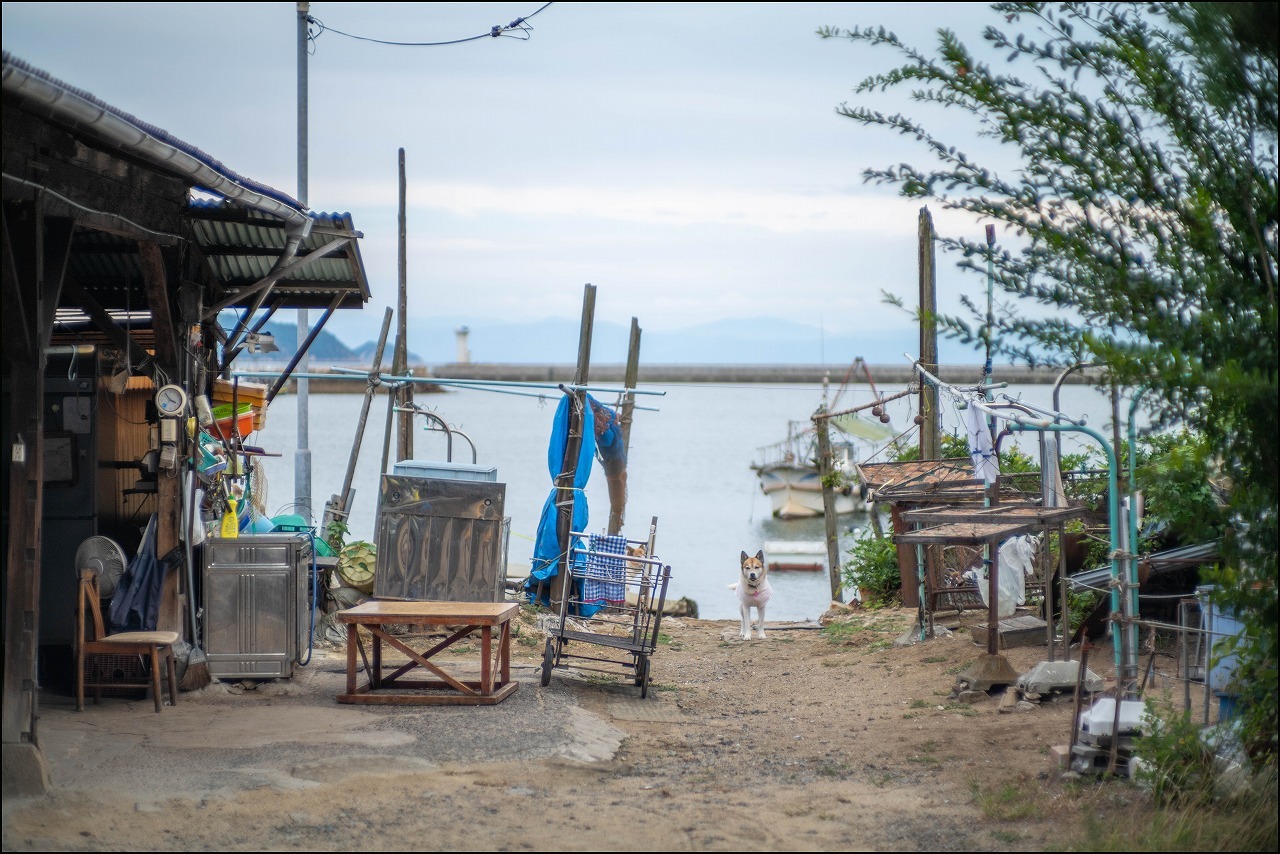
x: 154, y: 644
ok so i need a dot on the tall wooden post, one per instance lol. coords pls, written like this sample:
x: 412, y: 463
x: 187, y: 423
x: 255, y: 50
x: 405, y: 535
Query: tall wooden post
x: 617, y: 504
x: 573, y: 445
x: 400, y: 362
x: 825, y: 467
x: 930, y: 443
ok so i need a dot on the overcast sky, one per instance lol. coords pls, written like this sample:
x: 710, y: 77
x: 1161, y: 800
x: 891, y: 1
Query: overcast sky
x: 686, y: 158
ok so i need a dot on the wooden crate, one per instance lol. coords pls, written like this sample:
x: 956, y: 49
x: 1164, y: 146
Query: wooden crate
x: 1018, y: 630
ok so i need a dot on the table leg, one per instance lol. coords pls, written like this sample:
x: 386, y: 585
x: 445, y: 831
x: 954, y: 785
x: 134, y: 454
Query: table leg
x: 486, y: 660
x: 375, y: 675
x: 504, y: 651
x: 351, y: 658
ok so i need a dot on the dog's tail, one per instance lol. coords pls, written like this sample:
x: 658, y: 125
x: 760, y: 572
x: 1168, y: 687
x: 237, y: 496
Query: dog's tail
x: 733, y: 586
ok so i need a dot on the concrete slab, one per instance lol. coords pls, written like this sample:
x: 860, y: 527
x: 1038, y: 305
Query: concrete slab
x: 988, y: 671
x: 293, y: 734
x: 1057, y: 676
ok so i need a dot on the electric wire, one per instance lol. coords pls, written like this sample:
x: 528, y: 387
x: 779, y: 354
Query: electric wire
x: 519, y: 25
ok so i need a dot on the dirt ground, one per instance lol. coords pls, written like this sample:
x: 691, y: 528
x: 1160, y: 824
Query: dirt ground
x: 815, y: 738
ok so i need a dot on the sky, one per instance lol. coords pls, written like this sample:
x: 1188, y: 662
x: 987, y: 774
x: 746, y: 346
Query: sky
x: 686, y: 159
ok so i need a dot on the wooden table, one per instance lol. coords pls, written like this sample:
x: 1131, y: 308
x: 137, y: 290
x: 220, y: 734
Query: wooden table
x: 462, y: 620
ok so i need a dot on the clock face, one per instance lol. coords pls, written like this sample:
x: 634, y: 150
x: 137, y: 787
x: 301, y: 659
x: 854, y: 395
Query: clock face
x: 171, y: 400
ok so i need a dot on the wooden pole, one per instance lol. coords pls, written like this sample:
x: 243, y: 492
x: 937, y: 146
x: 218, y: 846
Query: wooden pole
x: 400, y: 364
x: 617, y: 506
x: 828, y: 504
x: 573, y: 444
x: 375, y: 368
x: 930, y: 431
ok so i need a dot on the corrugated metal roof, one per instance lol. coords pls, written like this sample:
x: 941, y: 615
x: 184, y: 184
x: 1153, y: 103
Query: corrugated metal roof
x: 241, y: 248
x: 83, y: 113
x: 241, y: 238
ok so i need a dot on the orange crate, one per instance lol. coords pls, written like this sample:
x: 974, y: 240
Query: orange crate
x: 222, y: 427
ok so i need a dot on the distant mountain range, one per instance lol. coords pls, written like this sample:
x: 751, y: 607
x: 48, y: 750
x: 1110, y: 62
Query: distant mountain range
x: 555, y: 341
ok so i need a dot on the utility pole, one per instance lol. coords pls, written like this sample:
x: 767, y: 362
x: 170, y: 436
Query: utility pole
x: 302, y: 460
x: 930, y: 433
x: 400, y: 361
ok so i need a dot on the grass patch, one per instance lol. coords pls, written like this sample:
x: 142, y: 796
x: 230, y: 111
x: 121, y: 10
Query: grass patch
x: 959, y: 668
x: 934, y: 659
x: 1203, y: 826
x: 1008, y: 801
x: 920, y: 704
x: 843, y: 632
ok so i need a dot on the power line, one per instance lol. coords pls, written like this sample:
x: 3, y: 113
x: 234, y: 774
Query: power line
x: 519, y: 25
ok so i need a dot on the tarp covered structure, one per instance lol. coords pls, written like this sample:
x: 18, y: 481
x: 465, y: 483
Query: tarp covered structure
x: 601, y: 431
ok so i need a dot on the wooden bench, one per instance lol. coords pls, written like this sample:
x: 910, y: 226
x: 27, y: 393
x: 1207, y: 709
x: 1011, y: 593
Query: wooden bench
x: 461, y: 620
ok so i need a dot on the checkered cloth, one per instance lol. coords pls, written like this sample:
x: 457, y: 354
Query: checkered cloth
x: 606, y: 570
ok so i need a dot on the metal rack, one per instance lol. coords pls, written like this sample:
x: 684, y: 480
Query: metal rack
x: 612, y: 600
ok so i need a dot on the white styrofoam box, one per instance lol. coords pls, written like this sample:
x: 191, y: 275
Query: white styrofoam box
x: 1099, y: 718
x: 441, y: 470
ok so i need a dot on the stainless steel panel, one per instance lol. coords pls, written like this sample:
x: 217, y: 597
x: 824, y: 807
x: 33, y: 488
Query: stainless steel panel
x: 255, y: 601
x: 441, y: 540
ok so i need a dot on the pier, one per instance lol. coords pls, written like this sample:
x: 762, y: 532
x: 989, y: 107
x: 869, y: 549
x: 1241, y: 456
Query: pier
x: 893, y: 374
x: 658, y: 373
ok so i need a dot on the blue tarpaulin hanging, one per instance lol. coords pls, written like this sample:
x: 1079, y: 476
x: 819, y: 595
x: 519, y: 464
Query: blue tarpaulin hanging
x: 546, y: 551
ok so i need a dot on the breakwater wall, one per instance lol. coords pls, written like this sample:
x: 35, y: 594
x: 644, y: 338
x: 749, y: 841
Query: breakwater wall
x: 883, y: 374
x: 886, y: 375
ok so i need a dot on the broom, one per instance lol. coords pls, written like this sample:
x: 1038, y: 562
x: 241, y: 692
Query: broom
x: 197, y: 674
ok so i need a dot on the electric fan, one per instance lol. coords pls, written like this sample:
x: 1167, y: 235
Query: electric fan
x: 104, y: 556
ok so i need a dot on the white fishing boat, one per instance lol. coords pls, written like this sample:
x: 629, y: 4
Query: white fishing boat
x: 788, y: 470
x: 788, y: 473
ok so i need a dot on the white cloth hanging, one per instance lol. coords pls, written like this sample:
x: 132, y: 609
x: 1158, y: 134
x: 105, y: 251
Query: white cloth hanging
x: 985, y: 465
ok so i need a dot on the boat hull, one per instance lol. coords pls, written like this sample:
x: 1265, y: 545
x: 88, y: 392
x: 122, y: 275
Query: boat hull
x: 796, y: 492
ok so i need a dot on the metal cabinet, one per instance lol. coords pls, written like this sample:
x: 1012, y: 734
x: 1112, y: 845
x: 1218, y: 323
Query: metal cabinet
x: 255, y: 604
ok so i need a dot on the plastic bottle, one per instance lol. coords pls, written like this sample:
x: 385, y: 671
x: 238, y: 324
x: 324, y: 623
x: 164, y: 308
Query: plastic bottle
x: 230, y: 520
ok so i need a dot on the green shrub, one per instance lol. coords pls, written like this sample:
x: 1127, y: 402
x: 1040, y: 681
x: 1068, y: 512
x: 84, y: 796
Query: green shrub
x: 873, y: 568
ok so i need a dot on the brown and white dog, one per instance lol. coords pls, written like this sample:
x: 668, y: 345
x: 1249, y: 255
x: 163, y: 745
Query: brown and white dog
x: 753, y: 592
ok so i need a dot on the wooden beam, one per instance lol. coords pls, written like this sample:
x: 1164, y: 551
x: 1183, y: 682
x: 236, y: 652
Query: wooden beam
x: 137, y: 355
x: 55, y: 236
x: 156, y: 282
x: 19, y: 288
x: 22, y: 553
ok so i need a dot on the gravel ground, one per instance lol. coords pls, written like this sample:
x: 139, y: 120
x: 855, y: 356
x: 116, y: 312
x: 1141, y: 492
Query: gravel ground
x: 828, y: 738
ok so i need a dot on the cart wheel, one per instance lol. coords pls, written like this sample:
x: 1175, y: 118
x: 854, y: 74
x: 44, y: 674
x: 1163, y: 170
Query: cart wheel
x: 548, y: 660
x: 642, y: 678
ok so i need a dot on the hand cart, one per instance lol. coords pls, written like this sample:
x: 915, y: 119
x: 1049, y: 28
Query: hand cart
x: 610, y: 599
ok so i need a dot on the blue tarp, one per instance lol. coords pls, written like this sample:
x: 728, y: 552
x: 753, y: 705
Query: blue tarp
x: 546, y: 550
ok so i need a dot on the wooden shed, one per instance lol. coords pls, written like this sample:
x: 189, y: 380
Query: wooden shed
x: 123, y: 249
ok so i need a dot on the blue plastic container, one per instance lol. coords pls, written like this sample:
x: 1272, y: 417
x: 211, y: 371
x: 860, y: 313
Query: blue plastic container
x: 1225, y: 625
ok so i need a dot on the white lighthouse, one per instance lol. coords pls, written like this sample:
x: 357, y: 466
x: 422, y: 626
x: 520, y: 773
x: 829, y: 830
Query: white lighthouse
x: 464, y: 355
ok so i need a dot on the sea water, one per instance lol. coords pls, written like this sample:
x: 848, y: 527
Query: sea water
x: 689, y: 465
